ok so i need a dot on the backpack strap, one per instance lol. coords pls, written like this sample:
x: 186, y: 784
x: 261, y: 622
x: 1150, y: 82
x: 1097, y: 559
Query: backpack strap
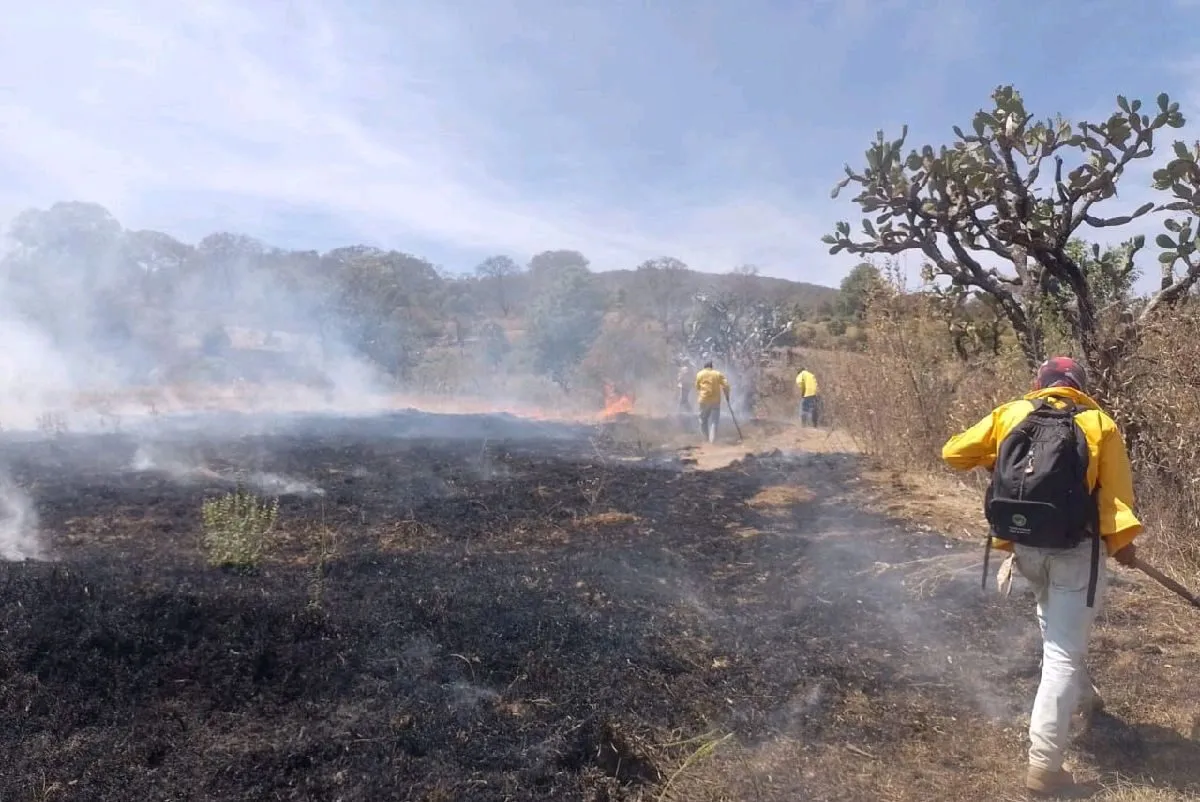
x: 1094, y: 571
x: 1097, y: 539
x: 1094, y: 523
x: 987, y: 553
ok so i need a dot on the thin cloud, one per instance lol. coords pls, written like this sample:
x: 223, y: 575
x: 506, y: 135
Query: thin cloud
x: 302, y: 109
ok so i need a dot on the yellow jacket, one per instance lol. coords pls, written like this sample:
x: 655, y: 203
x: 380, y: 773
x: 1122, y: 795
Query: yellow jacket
x: 1108, y: 461
x: 709, y: 384
x: 807, y: 383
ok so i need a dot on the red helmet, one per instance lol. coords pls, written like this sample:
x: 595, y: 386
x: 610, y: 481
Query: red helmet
x: 1061, y: 371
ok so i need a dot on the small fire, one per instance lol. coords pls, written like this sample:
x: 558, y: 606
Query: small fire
x: 616, y: 403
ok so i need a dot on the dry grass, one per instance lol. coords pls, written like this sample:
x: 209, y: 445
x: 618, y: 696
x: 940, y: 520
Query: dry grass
x: 777, y: 497
x: 610, y: 518
x: 910, y: 389
x: 897, y: 403
x: 917, y: 771
x: 950, y: 505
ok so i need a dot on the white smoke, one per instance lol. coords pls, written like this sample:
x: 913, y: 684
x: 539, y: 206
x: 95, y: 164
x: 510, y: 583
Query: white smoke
x: 146, y: 459
x: 20, y: 538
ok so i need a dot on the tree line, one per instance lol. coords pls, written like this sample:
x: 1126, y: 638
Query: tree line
x: 95, y: 289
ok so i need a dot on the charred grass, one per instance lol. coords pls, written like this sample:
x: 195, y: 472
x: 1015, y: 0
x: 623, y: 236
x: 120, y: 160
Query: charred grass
x: 567, y: 616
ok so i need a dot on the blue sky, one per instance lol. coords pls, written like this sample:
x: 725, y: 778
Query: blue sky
x: 626, y: 129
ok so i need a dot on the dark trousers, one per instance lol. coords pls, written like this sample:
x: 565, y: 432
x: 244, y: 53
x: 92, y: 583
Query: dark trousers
x: 810, y: 411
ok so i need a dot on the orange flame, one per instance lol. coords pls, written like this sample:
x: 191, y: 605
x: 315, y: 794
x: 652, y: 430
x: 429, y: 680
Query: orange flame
x: 616, y: 403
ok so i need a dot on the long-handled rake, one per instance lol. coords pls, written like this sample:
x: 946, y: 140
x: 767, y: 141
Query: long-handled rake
x: 733, y: 417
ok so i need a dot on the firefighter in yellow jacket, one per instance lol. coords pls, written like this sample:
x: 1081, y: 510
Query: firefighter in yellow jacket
x: 1061, y: 578
x: 710, y: 386
x: 810, y: 400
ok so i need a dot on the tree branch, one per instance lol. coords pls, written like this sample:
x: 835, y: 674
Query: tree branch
x: 1174, y: 291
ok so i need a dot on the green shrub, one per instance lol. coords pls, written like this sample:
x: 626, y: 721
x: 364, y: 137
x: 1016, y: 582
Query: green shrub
x: 236, y: 529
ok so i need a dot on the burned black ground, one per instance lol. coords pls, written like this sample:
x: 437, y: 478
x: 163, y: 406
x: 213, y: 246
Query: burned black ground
x: 510, y: 615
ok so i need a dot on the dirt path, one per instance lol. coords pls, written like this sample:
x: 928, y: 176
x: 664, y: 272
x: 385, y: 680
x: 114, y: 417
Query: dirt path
x: 1146, y: 653
x: 538, y: 614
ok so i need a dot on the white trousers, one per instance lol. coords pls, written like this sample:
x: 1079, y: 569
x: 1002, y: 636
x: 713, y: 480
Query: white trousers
x: 1060, y: 580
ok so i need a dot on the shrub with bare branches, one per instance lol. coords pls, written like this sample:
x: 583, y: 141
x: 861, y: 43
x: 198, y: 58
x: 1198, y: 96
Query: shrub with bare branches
x: 911, y: 389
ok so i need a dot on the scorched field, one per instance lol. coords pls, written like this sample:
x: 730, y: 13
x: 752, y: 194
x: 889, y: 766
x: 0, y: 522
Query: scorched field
x: 483, y: 608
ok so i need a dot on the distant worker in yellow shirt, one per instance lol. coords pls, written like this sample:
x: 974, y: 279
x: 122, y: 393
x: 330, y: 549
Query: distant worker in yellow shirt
x: 710, y: 386
x: 810, y: 400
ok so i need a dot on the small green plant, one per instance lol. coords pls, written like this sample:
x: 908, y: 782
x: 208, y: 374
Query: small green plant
x: 236, y: 528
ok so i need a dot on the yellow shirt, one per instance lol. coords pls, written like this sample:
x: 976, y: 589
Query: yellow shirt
x: 807, y: 384
x: 709, y: 384
x: 1108, y: 461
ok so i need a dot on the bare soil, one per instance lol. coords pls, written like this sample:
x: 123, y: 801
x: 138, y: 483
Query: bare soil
x: 524, y: 612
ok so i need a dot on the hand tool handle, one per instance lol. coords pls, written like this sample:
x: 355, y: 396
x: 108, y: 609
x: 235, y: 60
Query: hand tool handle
x: 1167, y: 582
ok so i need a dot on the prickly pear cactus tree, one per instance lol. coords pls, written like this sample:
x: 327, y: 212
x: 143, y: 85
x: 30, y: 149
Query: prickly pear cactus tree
x: 1180, y: 265
x: 1000, y: 212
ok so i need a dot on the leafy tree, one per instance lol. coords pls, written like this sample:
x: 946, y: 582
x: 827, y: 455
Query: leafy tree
x: 857, y: 288
x: 1111, y: 284
x: 661, y: 291
x: 495, y: 343
x: 160, y: 259
x: 386, y: 303
x: 1110, y: 272
x: 459, y: 304
x: 1017, y: 192
x: 497, y: 270
x: 68, y: 273
x: 70, y: 227
x: 564, y: 319
x: 227, y: 257
x: 545, y: 267
x: 624, y: 358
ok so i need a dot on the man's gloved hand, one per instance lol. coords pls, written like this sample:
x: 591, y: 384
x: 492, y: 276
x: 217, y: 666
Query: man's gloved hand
x: 1127, y: 556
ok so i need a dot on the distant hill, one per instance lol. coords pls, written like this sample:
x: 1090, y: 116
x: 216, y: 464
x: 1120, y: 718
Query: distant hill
x: 767, y: 288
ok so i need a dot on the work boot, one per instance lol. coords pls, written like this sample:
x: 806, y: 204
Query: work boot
x: 1043, y: 782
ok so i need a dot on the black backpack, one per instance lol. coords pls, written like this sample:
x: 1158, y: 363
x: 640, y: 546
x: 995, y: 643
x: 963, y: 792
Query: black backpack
x: 1038, y: 494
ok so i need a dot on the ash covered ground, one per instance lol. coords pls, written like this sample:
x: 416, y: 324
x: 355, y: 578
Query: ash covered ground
x: 514, y: 611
